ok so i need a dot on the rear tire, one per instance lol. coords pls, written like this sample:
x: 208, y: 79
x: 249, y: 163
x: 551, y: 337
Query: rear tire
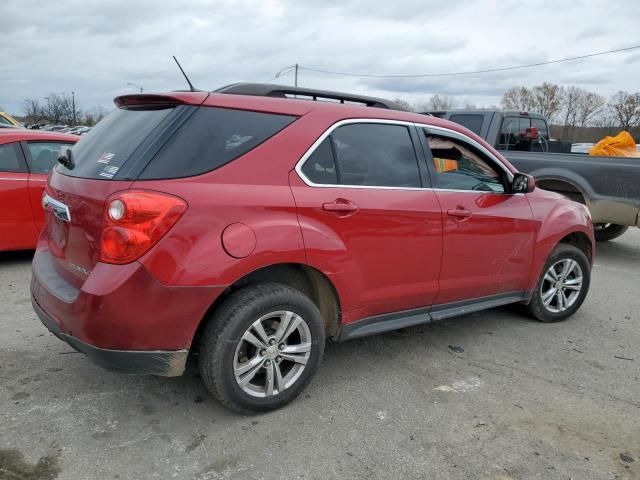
x: 563, y: 285
x: 608, y: 231
x: 261, y: 347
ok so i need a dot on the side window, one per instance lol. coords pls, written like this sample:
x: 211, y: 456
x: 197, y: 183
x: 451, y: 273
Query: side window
x: 5, y: 121
x: 372, y: 154
x: 510, y: 131
x: 44, y: 155
x: 10, y: 158
x: 472, y: 121
x: 320, y: 167
x: 541, y: 125
x: 459, y: 166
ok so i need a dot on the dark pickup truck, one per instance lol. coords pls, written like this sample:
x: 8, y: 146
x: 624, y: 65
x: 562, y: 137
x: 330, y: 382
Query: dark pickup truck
x: 609, y: 186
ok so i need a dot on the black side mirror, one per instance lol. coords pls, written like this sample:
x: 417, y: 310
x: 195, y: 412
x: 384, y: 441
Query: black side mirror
x: 523, y: 183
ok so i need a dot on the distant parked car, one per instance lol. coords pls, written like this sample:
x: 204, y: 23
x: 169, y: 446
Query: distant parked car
x: 26, y: 156
x: 6, y: 119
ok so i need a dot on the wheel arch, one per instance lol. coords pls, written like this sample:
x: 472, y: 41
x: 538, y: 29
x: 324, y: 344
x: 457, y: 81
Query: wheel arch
x: 308, y: 280
x: 570, y: 189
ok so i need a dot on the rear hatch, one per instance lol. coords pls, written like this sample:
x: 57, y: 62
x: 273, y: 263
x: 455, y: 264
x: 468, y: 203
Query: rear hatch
x: 149, y: 137
x: 105, y: 161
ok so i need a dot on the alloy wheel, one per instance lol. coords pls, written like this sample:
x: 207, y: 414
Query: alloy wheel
x: 561, y: 285
x: 272, y: 354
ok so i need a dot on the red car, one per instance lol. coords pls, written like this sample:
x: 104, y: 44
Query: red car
x: 26, y: 157
x: 247, y: 226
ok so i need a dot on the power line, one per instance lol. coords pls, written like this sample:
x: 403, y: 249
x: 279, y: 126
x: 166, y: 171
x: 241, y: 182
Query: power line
x: 472, y: 72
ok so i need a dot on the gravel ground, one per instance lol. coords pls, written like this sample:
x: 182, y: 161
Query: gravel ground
x: 518, y: 399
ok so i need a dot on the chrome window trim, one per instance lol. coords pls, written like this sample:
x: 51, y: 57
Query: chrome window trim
x: 445, y: 131
x: 18, y: 179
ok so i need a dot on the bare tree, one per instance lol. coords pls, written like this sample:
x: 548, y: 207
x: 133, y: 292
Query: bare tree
x: 403, y: 104
x: 547, y: 99
x: 33, y: 110
x: 441, y: 102
x: 517, y: 98
x: 625, y: 109
x: 589, y: 107
x: 94, y: 115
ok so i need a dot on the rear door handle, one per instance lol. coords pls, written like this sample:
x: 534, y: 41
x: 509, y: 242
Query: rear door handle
x: 340, y: 205
x: 459, y: 212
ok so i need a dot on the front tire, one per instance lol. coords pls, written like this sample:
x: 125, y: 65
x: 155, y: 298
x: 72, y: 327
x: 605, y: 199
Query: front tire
x: 563, y: 285
x: 608, y: 231
x: 261, y: 347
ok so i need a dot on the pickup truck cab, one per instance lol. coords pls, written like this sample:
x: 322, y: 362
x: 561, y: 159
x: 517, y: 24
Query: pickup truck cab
x: 26, y: 157
x: 609, y: 186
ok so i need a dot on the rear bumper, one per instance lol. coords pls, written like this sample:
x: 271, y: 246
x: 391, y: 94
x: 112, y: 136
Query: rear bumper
x: 167, y: 363
x: 121, y: 316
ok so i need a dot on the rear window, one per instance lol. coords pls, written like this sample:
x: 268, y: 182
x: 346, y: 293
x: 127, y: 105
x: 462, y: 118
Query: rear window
x: 210, y: 138
x: 472, y: 122
x: 103, y: 151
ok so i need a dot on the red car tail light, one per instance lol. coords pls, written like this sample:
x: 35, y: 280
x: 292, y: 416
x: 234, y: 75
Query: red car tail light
x: 134, y: 221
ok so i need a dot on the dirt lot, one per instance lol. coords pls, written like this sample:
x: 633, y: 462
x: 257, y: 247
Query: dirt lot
x: 517, y: 399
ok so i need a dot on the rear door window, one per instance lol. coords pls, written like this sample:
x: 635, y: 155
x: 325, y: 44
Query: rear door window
x: 11, y: 158
x: 43, y: 155
x: 213, y: 137
x: 370, y: 154
x: 320, y: 167
x: 541, y: 125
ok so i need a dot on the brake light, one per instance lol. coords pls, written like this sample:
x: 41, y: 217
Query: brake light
x: 134, y: 221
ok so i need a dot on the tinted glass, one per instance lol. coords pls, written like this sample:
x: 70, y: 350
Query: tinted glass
x: 460, y: 166
x: 376, y: 155
x: 106, y: 148
x: 541, y: 125
x: 320, y: 166
x: 5, y: 120
x: 472, y: 122
x: 10, y: 158
x: 212, y: 137
x: 44, y: 155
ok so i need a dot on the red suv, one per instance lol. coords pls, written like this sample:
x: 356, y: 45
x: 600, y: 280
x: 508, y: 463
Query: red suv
x: 247, y: 226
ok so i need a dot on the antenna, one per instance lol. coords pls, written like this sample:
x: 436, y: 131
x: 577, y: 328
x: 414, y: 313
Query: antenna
x: 191, y: 88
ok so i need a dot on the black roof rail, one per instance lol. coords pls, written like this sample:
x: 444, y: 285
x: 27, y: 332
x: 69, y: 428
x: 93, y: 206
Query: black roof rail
x: 284, y: 91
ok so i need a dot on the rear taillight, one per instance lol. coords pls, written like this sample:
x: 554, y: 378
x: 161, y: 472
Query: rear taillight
x: 134, y: 221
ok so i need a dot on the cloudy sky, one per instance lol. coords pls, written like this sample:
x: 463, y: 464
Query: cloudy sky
x: 96, y: 48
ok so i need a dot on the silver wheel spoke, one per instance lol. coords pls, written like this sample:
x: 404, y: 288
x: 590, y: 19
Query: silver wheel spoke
x: 548, y: 296
x: 245, y: 367
x: 565, y: 300
x: 560, y: 300
x: 552, y: 272
x: 574, y: 286
x: 284, y: 324
x: 261, y: 333
x: 293, y: 325
x: 549, y: 278
x: 279, y: 382
x: 249, y: 375
x: 294, y: 358
x: 567, y: 268
x: 302, y: 348
x: 270, y: 380
x: 253, y: 340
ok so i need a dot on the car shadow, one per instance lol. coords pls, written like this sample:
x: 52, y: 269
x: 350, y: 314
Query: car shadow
x: 16, y: 257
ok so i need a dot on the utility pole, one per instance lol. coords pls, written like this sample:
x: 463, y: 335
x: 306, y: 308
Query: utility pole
x: 73, y: 106
x: 296, y: 77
